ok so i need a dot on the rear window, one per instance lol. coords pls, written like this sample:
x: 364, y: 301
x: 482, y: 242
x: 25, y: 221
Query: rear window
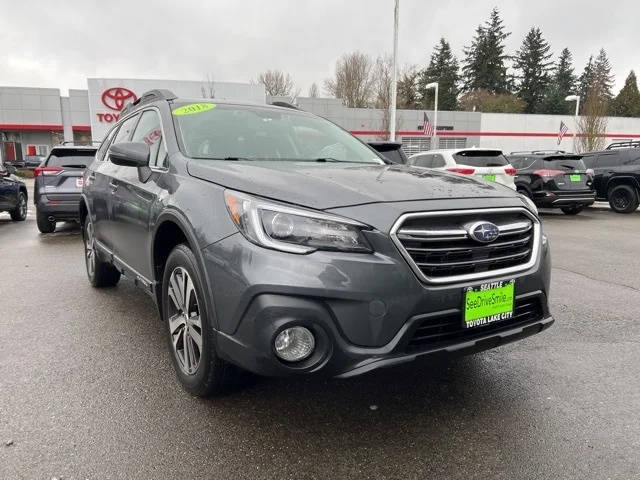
x: 71, y: 158
x: 393, y: 156
x: 481, y: 158
x: 564, y: 164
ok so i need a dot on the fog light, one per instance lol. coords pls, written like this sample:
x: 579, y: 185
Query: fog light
x: 294, y: 344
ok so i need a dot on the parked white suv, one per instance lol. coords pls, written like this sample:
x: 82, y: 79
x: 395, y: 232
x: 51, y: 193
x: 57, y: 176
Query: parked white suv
x: 489, y: 165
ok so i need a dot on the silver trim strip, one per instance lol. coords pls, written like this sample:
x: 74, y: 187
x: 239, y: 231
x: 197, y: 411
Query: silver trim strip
x: 455, y: 234
x: 469, y: 276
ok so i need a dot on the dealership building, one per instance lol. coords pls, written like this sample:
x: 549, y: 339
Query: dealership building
x: 32, y: 120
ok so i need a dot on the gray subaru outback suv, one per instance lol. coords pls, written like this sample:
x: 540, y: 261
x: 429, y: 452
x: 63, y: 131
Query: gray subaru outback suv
x: 274, y: 241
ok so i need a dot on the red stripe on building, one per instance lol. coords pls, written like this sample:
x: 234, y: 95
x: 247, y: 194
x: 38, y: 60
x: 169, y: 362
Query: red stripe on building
x: 81, y: 128
x: 453, y: 133
x: 30, y: 127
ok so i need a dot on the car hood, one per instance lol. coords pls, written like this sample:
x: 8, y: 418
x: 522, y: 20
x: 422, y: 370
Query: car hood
x: 330, y: 185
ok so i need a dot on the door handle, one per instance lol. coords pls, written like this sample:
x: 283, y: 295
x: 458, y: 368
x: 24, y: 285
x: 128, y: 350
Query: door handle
x: 113, y: 186
x: 91, y: 176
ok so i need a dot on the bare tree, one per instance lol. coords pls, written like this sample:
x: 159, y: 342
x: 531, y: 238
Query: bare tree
x: 382, y: 73
x: 208, y: 88
x: 313, y: 90
x: 353, y: 81
x: 276, y: 83
x: 592, y: 124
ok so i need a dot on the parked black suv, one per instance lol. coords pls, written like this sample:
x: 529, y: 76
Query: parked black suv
x: 13, y: 193
x: 58, y: 185
x: 616, y: 176
x: 392, y: 151
x: 274, y: 241
x: 554, y: 180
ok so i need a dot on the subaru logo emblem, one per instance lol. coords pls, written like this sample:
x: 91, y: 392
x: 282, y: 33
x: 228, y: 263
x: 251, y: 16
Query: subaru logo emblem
x: 483, y: 232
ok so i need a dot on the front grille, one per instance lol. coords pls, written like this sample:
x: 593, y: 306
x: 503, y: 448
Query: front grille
x: 439, y: 248
x: 445, y: 330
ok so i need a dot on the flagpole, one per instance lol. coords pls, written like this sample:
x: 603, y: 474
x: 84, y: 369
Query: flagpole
x: 394, y: 75
x: 435, y: 121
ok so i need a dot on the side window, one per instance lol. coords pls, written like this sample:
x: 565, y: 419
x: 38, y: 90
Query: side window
x: 422, y: 161
x: 149, y: 131
x: 610, y: 160
x: 438, y: 161
x: 125, y: 130
x: 105, y: 144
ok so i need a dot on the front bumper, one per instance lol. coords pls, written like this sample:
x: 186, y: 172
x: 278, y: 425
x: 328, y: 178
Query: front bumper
x: 364, y: 309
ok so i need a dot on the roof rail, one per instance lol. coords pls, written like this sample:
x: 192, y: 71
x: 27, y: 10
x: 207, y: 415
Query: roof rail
x: 148, y: 97
x: 539, y: 152
x: 624, y: 144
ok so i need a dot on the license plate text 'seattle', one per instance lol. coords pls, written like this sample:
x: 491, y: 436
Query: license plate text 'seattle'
x: 488, y: 303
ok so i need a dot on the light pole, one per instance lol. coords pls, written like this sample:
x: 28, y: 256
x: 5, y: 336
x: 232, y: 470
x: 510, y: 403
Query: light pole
x: 429, y: 86
x: 394, y: 74
x: 574, y: 98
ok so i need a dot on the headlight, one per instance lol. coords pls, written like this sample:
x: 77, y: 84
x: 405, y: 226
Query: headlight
x: 293, y: 230
x: 528, y: 203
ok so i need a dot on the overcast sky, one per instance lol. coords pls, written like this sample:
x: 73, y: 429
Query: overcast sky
x: 60, y: 44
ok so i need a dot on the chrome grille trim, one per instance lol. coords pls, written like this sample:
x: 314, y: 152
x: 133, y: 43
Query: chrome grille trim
x: 424, y: 235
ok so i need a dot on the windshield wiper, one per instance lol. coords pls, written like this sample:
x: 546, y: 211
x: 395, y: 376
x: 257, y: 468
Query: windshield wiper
x: 333, y: 160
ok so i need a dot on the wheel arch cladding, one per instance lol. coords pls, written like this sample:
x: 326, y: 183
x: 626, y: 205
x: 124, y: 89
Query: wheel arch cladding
x: 171, y: 232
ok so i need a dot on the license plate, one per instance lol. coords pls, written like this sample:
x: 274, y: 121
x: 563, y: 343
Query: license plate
x: 490, y: 178
x: 488, y: 303
x: 575, y: 178
x: 79, y: 182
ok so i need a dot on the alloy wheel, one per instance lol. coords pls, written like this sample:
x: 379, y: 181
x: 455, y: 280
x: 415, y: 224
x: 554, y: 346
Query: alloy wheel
x: 89, y: 248
x: 22, y: 207
x: 185, y: 324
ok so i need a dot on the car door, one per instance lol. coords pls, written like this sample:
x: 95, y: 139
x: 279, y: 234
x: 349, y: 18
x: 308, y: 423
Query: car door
x: 104, y: 186
x: 133, y: 199
x: 5, y: 188
x: 607, y: 165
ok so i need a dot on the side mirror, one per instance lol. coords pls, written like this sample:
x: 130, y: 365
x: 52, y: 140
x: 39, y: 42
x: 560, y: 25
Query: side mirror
x: 130, y: 154
x: 11, y: 170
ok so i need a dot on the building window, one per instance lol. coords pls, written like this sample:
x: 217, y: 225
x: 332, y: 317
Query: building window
x: 42, y: 150
x: 412, y: 145
x: 451, y: 142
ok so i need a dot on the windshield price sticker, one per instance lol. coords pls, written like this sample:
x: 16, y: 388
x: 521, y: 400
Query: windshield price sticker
x: 488, y: 303
x: 193, y: 108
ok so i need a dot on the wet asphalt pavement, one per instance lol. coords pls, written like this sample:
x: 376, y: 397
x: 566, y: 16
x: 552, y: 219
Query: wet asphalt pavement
x: 87, y: 389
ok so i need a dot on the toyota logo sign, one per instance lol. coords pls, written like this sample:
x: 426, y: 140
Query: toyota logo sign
x: 117, y: 97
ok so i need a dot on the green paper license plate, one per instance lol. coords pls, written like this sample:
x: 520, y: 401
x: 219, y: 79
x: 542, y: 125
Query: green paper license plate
x: 488, y: 303
x: 575, y: 178
x: 490, y: 178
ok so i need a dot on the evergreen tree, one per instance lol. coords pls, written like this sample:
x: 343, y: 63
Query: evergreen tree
x: 484, y: 64
x: 532, y: 62
x: 443, y: 68
x: 563, y: 83
x: 602, y: 74
x: 627, y: 103
x: 586, y: 79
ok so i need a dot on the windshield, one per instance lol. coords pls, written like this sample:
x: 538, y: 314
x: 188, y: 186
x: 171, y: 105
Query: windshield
x: 481, y: 158
x: 565, y: 164
x: 70, y: 158
x: 238, y: 132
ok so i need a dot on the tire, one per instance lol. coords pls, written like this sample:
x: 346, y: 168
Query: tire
x: 572, y: 210
x: 623, y: 199
x: 44, y: 224
x: 524, y: 192
x: 100, y: 274
x: 19, y: 214
x: 200, y: 371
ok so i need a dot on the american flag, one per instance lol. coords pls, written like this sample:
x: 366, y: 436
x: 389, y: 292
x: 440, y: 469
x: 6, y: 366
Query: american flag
x: 562, y: 131
x: 427, y: 127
